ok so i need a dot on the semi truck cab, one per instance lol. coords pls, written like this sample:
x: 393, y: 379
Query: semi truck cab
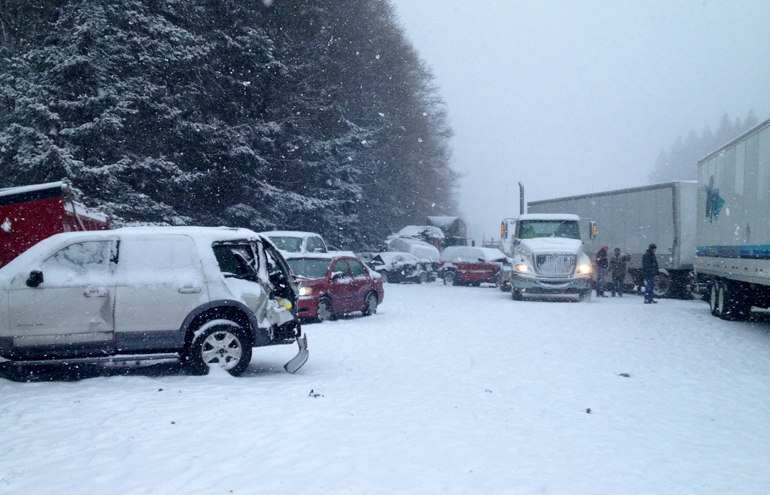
x: 548, y: 257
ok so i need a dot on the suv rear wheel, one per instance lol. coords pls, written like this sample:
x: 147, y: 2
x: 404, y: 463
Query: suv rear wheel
x: 226, y: 345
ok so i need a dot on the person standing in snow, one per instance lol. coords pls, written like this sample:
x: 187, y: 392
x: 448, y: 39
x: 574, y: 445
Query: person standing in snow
x: 649, y: 270
x: 601, y: 270
x: 618, y: 271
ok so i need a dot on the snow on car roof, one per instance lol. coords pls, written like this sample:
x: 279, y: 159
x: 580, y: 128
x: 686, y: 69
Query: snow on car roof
x: 288, y: 233
x: 321, y: 256
x: 387, y: 256
x: 417, y: 230
x: 201, y: 236
x: 472, y: 253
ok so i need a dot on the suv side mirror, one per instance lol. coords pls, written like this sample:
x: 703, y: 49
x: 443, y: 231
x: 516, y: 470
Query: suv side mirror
x: 35, y: 278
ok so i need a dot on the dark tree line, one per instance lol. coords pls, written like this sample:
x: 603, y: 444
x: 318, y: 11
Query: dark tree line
x: 680, y: 162
x: 302, y: 114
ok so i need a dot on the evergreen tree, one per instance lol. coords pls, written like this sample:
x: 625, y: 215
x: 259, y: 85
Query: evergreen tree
x: 312, y: 115
x: 680, y: 162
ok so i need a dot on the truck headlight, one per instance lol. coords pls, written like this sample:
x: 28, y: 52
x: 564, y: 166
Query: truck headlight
x: 584, y: 269
x: 522, y: 268
x: 305, y: 291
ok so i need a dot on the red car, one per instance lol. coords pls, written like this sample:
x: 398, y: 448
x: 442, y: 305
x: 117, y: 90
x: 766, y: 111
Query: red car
x: 467, y: 265
x: 331, y: 285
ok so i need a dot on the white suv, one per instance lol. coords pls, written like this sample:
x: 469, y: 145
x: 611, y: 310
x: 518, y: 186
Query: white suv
x: 291, y: 242
x: 202, y: 296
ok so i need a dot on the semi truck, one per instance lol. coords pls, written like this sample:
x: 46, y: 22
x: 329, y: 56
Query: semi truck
x: 547, y: 256
x: 632, y: 219
x: 29, y: 214
x: 733, y: 224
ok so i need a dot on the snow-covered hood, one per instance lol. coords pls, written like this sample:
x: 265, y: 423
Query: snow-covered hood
x: 543, y: 245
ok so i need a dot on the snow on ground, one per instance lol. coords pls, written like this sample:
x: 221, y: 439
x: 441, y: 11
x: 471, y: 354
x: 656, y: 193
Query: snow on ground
x: 453, y: 390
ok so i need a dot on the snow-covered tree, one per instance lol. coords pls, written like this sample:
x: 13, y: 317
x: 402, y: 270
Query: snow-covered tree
x: 309, y: 114
x: 680, y: 162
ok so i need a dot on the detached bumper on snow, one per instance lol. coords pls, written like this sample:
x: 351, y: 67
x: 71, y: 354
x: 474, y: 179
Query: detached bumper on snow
x: 300, y: 359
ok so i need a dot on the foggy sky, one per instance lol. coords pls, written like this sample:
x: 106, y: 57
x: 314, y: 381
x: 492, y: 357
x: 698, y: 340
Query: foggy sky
x: 576, y: 97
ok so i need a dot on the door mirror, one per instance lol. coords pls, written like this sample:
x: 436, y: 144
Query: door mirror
x: 35, y: 278
x: 337, y: 275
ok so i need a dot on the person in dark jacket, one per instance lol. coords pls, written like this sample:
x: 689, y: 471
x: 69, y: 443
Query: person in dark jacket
x: 649, y: 270
x: 618, y: 271
x: 601, y: 270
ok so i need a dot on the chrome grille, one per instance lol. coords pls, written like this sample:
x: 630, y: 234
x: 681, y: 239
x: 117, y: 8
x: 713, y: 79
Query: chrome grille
x: 555, y: 265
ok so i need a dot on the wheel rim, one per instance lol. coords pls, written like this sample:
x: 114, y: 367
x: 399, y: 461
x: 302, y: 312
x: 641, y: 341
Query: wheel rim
x: 449, y: 278
x: 713, y: 300
x: 721, y: 301
x: 662, y: 285
x: 222, y: 349
x: 371, y: 304
x: 324, y: 311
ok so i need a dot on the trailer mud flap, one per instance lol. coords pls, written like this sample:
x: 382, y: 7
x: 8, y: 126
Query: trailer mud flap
x: 301, y: 357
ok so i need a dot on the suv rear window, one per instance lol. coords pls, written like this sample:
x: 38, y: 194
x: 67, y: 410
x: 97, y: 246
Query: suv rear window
x: 290, y: 244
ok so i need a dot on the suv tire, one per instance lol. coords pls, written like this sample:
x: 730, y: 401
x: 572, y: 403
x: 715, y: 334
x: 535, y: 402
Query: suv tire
x: 225, y: 344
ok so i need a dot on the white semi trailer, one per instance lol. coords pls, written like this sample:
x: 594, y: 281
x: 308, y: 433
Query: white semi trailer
x: 632, y: 219
x: 733, y: 231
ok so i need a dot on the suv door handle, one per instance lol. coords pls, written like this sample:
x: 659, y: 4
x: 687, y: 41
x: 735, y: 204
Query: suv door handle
x: 189, y: 290
x: 94, y: 292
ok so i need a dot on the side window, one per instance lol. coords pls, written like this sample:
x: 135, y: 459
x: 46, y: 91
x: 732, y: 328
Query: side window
x: 357, y: 269
x: 159, y: 259
x: 80, y: 263
x: 310, y: 245
x: 319, y: 245
x: 341, y: 266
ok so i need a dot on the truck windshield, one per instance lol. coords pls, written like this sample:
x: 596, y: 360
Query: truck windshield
x: 530, y: 229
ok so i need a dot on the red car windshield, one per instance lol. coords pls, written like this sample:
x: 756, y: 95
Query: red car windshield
x: 309, y: 267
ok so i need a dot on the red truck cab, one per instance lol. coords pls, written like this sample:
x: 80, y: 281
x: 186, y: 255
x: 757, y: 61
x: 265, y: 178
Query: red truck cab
x: 29, y: 214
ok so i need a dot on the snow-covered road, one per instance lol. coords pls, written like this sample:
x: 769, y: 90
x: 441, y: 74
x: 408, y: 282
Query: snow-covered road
x: 445, y: 390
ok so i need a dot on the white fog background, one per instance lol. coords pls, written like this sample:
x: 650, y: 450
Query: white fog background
x: 574, y: 97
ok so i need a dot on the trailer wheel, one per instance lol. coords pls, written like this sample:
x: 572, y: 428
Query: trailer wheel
x: 714, y: 298
x: 730, y: 303
x: 663, y: 285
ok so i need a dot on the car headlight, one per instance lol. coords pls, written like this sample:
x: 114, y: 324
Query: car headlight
x: 522, y: 267
x: 305, y: 291
x: 584, y: 269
